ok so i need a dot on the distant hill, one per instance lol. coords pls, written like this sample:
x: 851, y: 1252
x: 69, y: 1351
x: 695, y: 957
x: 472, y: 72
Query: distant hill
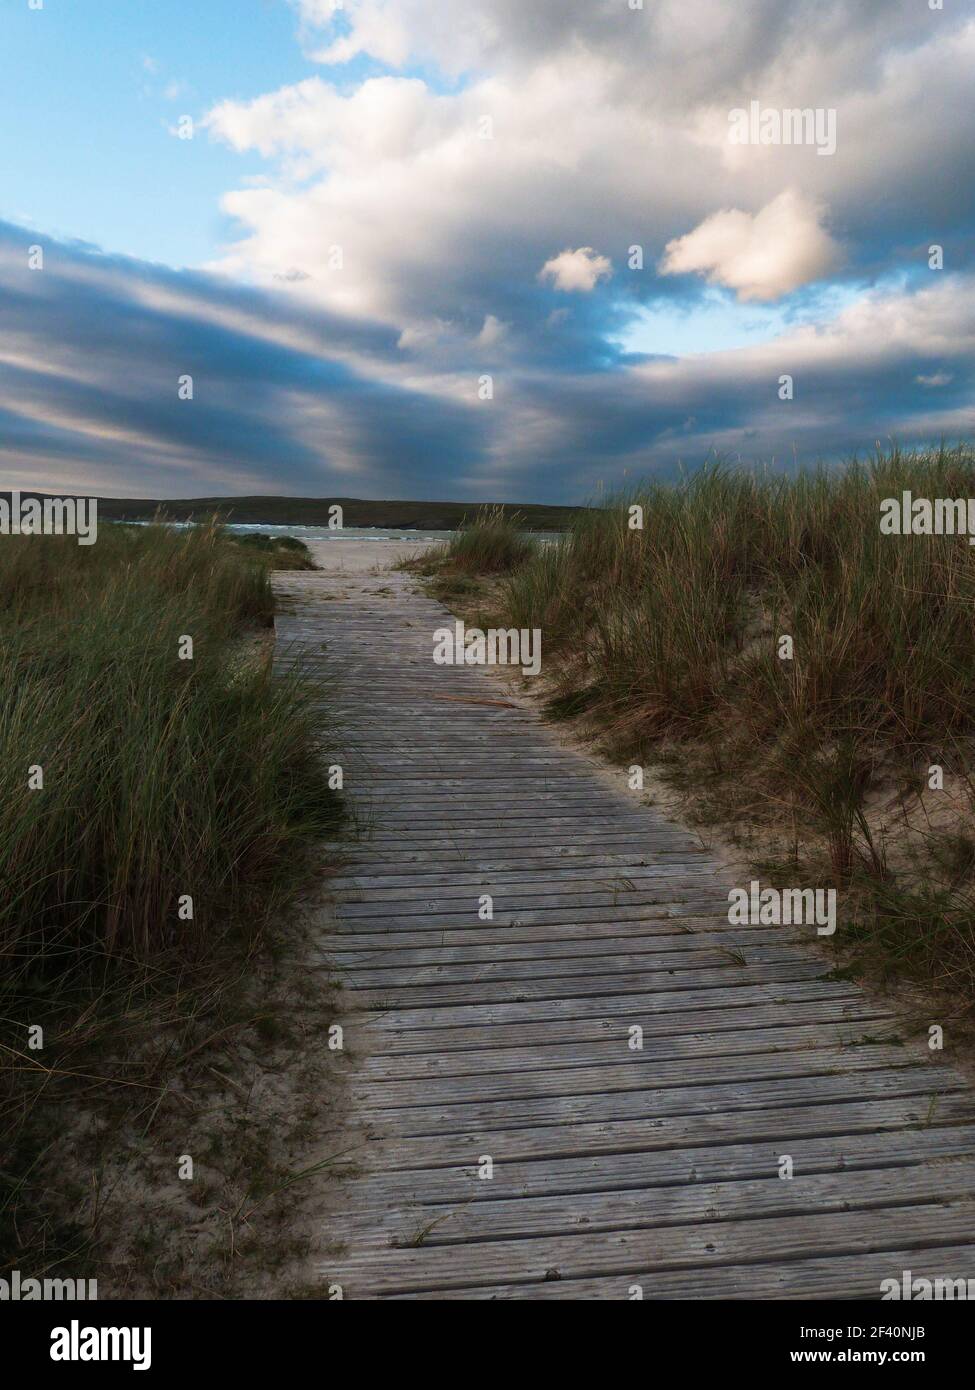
x: 314, y: 511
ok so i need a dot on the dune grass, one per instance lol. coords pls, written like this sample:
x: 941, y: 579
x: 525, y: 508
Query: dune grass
x: 278, y: 552
x: 162, y: 774
x: 666, y: 636
x: 493, y: 543
x: 679, y: 623
x: 156, y: 804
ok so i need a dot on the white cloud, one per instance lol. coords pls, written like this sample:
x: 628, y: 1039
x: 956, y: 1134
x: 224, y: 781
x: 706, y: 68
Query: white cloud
x: 579, y: 270
x: 601, y: 138
x: 427, y: 212
x: 492, y: 333
x: 762, y: 257
x: 384, y: 119
x: 698, y: 46
x: 610, y: 129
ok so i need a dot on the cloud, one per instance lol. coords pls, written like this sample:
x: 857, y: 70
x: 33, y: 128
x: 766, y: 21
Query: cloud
x: 292, y: 397
x: 286, y: 398
x: 385, y: 256
x: 579, y: 270
x: 852, y: 387
x: 601, y: 138
x: 761, y: 257
x: 700, y: 46
x: 492, y: 332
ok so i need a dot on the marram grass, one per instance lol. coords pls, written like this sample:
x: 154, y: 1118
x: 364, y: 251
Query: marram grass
x: 667, y: 636
x: 131, y: 780
x: 162, y: 780
x: 676, y: 626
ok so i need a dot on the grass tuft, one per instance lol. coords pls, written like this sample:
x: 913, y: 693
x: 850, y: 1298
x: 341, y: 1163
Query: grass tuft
x: 666, y: 639
x: 133, y: 779
x: 494, y: 543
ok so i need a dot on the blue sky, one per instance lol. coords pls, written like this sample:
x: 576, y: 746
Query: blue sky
x: 385, y: 205
x: 90, y: 90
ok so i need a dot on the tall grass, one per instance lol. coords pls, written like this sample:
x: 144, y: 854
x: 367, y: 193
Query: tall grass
x: 678, y: 624
x: 279, y: 552
x: 494, y: 543
x: 156, y: 811
x: 163, y: 777
x: 669, y: 634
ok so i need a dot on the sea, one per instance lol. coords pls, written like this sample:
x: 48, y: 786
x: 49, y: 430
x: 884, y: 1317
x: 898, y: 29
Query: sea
x: 347, y: 533
x: 322, y: 533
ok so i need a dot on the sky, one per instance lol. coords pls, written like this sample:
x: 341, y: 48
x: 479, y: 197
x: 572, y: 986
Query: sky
x: 497, y: 250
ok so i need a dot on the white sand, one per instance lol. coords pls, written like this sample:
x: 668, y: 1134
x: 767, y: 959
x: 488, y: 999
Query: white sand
x: 363, y: 557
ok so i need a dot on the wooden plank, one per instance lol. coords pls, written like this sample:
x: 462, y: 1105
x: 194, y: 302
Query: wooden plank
x: 546, y: 984
x: 529, y: 881
x: 511, y: 1037
x: 736, y: 1093
x: 665, y: 950
x: 648, y: 919
x: 443, y: 1224
x: 448, y: 863
x: 914, y: 1103
x: 642, y: 1008
x: 475, y: 1051
x: 858, y: 1276
x: 890, y: 1151
x: 514, y: 898
x: 600, y: 1071
x: 449, y: 964
x: 589, y: 938
x: 614, y: 1253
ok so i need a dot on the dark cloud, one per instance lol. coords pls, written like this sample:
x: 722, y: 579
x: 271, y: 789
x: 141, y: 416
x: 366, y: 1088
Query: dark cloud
x: 293, y: 399
x: 284, y: 398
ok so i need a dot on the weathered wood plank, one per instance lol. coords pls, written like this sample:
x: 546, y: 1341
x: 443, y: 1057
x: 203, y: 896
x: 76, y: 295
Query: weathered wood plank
x: 734, y: 1094
x: 448, y: 965
x: 601, y: 1070
x: 858, y: 1276
x: 613, y: 1167
x: 641, y: 1008
x: 570, y: 1177
x: 834, y: 1112
x: 690, y: 1248
x: 474, y: 1051
x: 546, y: 984
x: 438, y: 1224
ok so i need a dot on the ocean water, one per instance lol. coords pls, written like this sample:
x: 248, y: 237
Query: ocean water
x: 322, y: 533
x: 348, y: 533
x: 365, y: 533
x: 379, y: 534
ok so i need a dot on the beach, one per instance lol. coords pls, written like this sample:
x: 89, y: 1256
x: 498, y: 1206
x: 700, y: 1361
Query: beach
x: 363, y: 556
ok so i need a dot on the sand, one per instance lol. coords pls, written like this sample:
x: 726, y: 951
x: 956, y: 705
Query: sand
x: 363, y: 557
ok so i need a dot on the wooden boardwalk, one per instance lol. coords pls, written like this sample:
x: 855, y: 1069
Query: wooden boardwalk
x: 504, y: 1045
